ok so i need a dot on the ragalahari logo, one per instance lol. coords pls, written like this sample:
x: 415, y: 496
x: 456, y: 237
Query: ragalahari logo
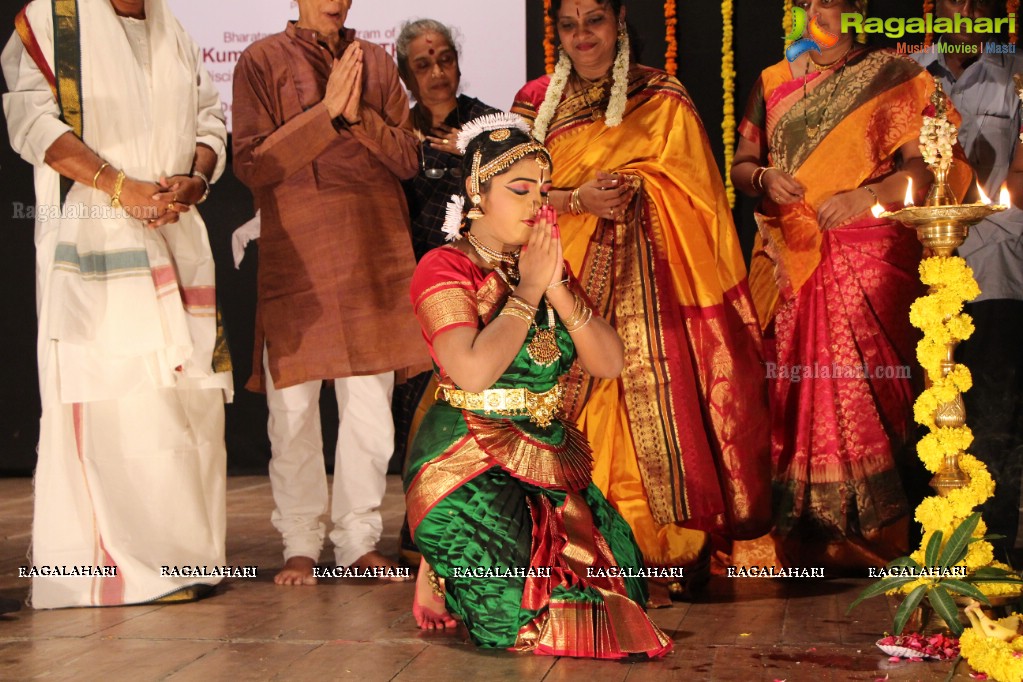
x: 817, y: 39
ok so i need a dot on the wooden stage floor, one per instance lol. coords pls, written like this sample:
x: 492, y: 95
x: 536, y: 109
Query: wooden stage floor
x: 746, y: 630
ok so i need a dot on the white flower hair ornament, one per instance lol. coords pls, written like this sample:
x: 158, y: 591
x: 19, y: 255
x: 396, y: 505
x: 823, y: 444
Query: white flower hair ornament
x: 453, y: 217
x: 499, y: 121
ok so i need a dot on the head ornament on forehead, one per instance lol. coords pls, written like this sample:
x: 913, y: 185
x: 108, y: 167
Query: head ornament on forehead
x: 491, y: 122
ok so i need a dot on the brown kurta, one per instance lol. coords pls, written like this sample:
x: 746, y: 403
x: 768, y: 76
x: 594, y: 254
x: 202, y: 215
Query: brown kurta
x: 335, y: 259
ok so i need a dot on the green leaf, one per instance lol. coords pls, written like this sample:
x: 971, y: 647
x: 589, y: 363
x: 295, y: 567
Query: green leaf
x: 933, y: 548
x: 907, y: 607
x: 945, y: 607
x: 965, y: 589
x: 959, y: 541
x: 903, y: 562
x: 993, y: 572
x: 880, y: 587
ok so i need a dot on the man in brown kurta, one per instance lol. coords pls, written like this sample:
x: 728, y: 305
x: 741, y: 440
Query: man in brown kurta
x: 322, y: 138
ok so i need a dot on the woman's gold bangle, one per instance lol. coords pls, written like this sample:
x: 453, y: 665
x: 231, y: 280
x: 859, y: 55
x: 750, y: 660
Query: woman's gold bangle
x: 575, y: 204
x: 588, y: 315
x: 517, y: 313
x: 520, y: 302
x: 757, y: 179
x: 115, y: 197
x: 95, y: 178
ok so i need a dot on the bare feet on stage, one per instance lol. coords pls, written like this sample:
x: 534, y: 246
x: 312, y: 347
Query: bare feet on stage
x: 298, y: 570
x: 375, y: 559
x: 428, y: 604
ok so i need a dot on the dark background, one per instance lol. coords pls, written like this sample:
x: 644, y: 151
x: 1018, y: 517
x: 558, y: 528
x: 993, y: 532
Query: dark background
x: 758, y: 43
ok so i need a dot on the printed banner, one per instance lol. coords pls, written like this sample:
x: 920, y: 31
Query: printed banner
x: 492, y: 42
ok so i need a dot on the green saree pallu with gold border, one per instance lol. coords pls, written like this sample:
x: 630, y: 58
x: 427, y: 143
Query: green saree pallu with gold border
x: 500, y: 500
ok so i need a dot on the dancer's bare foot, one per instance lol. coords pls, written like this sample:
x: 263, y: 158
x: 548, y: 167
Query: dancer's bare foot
x: 298, y: 570
x: 374, y: 559
x: 428, y: 606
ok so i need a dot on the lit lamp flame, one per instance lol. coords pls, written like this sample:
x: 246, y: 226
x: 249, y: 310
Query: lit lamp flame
x: 984, y: 199
x: 877, y: 210
x: 1003, y: 197
x: 908, y: 201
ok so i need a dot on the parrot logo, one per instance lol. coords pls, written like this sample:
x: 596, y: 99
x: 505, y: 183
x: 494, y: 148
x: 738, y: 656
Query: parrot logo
x: 818, y: 37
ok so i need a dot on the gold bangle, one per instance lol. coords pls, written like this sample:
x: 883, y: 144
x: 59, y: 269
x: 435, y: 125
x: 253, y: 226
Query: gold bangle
x: 579, y: 311
x: 575, y: 204
x: 759, y: 186
x: 517, y: 313
x: 95, y: 178
x: 115, y: 197
x: 872, y: 193
x: 564, y: 282
x: 579, y: 325
x: 523, y: 304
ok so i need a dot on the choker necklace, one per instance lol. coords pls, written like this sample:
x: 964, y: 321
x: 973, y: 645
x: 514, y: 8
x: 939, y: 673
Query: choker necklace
x: 824, y: 67
x: 506, y: 265
x: 490, y: 255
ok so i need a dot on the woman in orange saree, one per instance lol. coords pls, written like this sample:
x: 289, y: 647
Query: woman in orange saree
x: 826, y: 137
x: 681, y: 439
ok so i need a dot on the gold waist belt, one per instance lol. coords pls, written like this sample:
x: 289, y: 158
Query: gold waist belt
x: 509, y: 402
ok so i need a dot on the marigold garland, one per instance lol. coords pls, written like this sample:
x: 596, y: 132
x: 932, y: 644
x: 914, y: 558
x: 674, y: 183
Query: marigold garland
x: 1012, y: 7
x: 928, y: 9
x: 728, y: 96
x: 939, y: 315
x: 786, y: 21
x: 1003, y: 661
x: 671, y: 52
x: 548, y: 38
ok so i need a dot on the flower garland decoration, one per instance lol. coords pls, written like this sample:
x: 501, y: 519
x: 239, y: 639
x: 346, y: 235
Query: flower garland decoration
x: 728, y: 97
x: 928, y: 9
x: 1012, y: 7
x: 937, y: 135
x: 671, y: 51
x: 939, y: 315
x: 786, y: 21
x: 1003, y: 661
x: 619, y: 82
x: 559, y: 81
x: 548, y: 37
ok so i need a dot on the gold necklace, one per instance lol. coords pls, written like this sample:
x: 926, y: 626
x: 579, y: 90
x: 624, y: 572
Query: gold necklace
x: 490, y: 255
x: 596, y: 88
x: 824, y: 67
x: 498, y: 261
x: 813, y: 131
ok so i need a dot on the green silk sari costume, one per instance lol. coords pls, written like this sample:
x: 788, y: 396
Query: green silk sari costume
x: 504, y: 510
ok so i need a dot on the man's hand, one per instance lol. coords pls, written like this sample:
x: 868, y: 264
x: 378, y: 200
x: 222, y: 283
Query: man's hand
x: 345, y: 85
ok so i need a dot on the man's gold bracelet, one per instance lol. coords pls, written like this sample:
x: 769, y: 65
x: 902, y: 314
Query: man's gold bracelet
x: 115, y: 198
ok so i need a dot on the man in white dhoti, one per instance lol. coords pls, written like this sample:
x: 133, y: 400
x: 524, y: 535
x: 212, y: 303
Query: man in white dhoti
x: 110, y: 102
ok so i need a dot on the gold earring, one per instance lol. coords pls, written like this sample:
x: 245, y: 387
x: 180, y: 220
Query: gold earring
x: 476, y: 212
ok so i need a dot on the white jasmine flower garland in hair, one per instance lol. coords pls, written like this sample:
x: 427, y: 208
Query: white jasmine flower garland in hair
x: 616, y: 106
x: 483, y: 124
x: 453, y: 217
x: 559, y: 80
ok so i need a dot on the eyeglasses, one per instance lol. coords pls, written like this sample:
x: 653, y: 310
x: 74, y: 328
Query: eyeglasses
x: 435, y: 173
x: 438, y: 173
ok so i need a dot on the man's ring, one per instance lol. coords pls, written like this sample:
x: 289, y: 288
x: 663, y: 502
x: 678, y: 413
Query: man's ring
x: 170, y: 206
